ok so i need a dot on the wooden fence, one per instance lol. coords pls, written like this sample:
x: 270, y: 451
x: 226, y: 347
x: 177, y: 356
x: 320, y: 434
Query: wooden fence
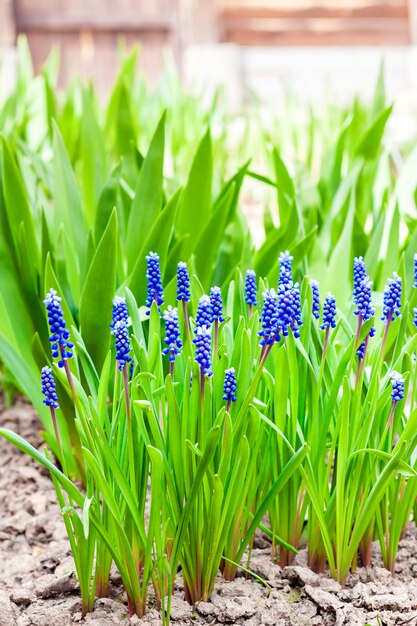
x: 89, y: 31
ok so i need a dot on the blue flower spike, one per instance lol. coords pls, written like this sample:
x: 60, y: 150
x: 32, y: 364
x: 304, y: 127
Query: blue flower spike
x: 359, y: 274
x: 202, y: 343
x: 329, y: 312
x: 203, y: 349
x: 49, y: 388
x: 216, y: 304
x: 123, y: 358
x: 251, y: 291
x: 203, y: 314
x: 155, y: 291
x: 328, y: 319
x: 397, y: 394
x: 285, y: 280
x: 392, y: 299
x: 122, y: 343
x: 172, y: 336
x: 120, y: 312
x: 391, y: 306
x: 296, y: 321
x: 269, y: 317
x: 183, y: 292
x: 59, y: 338
x: 217, y: 316
x: 397, y: 384
x: 364, y: 311
x: 316, y: 299
x: 183, y: 282
x: 51, y: 400
x: 229, y: 387
x: 415, y: 317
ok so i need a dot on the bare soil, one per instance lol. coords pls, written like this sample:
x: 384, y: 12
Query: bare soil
x: 38, y: 586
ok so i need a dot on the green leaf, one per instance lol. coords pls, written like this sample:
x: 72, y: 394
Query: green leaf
x: 158, y: 240
x: 195, y: 206
x: 17, y: 205
x: 97, y: 295
x: 147, y: 202
x: 370, y: 143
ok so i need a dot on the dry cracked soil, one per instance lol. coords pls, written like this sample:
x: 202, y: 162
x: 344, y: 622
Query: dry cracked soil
x: 38, y: 586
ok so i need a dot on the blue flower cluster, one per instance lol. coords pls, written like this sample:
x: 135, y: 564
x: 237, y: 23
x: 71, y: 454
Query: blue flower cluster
x: 183, y: 282
x: 296, y: 321
x: 397, y: 383
x: 122, y: 343
x: 172, y: 332
x: 202, y: 343
x: 392, y: 299
x: 329, y: 312
x: 119, y: 312
x: 203, y: 315
x: 250, y: 288
x: 216, y: 305
x: 365, y: 310
x: 155, y: 292
x: 48, y: 388
x: 61, y: 347
x: 230, y: 386
x: 359, y: 274
x: 269, y: 318
x: 285, y: 271
x: 316, y: 299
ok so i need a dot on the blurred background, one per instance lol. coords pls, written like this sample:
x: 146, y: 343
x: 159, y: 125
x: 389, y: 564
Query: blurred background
x: 255, y: 47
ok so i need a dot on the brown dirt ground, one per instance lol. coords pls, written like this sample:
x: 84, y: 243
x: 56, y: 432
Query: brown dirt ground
x: 38, y: 587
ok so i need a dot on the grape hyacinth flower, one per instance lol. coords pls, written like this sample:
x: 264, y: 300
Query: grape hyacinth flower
x: 285, y: 270
x: 216, y: 303
x: 329, y: 312
x: 155, y: 291
x: 397, y: 383
x: 289, y: 311
x: 229, y: 387
x: 328, y: 319
x: 120, y: 312
x: 172, y: 338
x: 203, y: 314
x: 316, y: 299
x: 51, y: 400
x: 48, y: 388
x: 415, y: 271
x: 364, y: 311
x: 60, y: 334
x: 183, y: 292
x: 122, y: 343
x: 415, y: 316
x: 391, y: 306
x: 285, y: 262
x: 268, y: 318
x: 296, y: 322
x: 392, y: 299
x: 202, y: 343
x: 359, y: 274
x: 217, y: 316
x: 183, y: 282
x: 250, y: 290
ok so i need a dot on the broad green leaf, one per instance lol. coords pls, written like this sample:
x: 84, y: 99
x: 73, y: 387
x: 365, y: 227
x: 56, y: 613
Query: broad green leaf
x: 147, y: 202
x: 195, y: 206
x: 97, y: 295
